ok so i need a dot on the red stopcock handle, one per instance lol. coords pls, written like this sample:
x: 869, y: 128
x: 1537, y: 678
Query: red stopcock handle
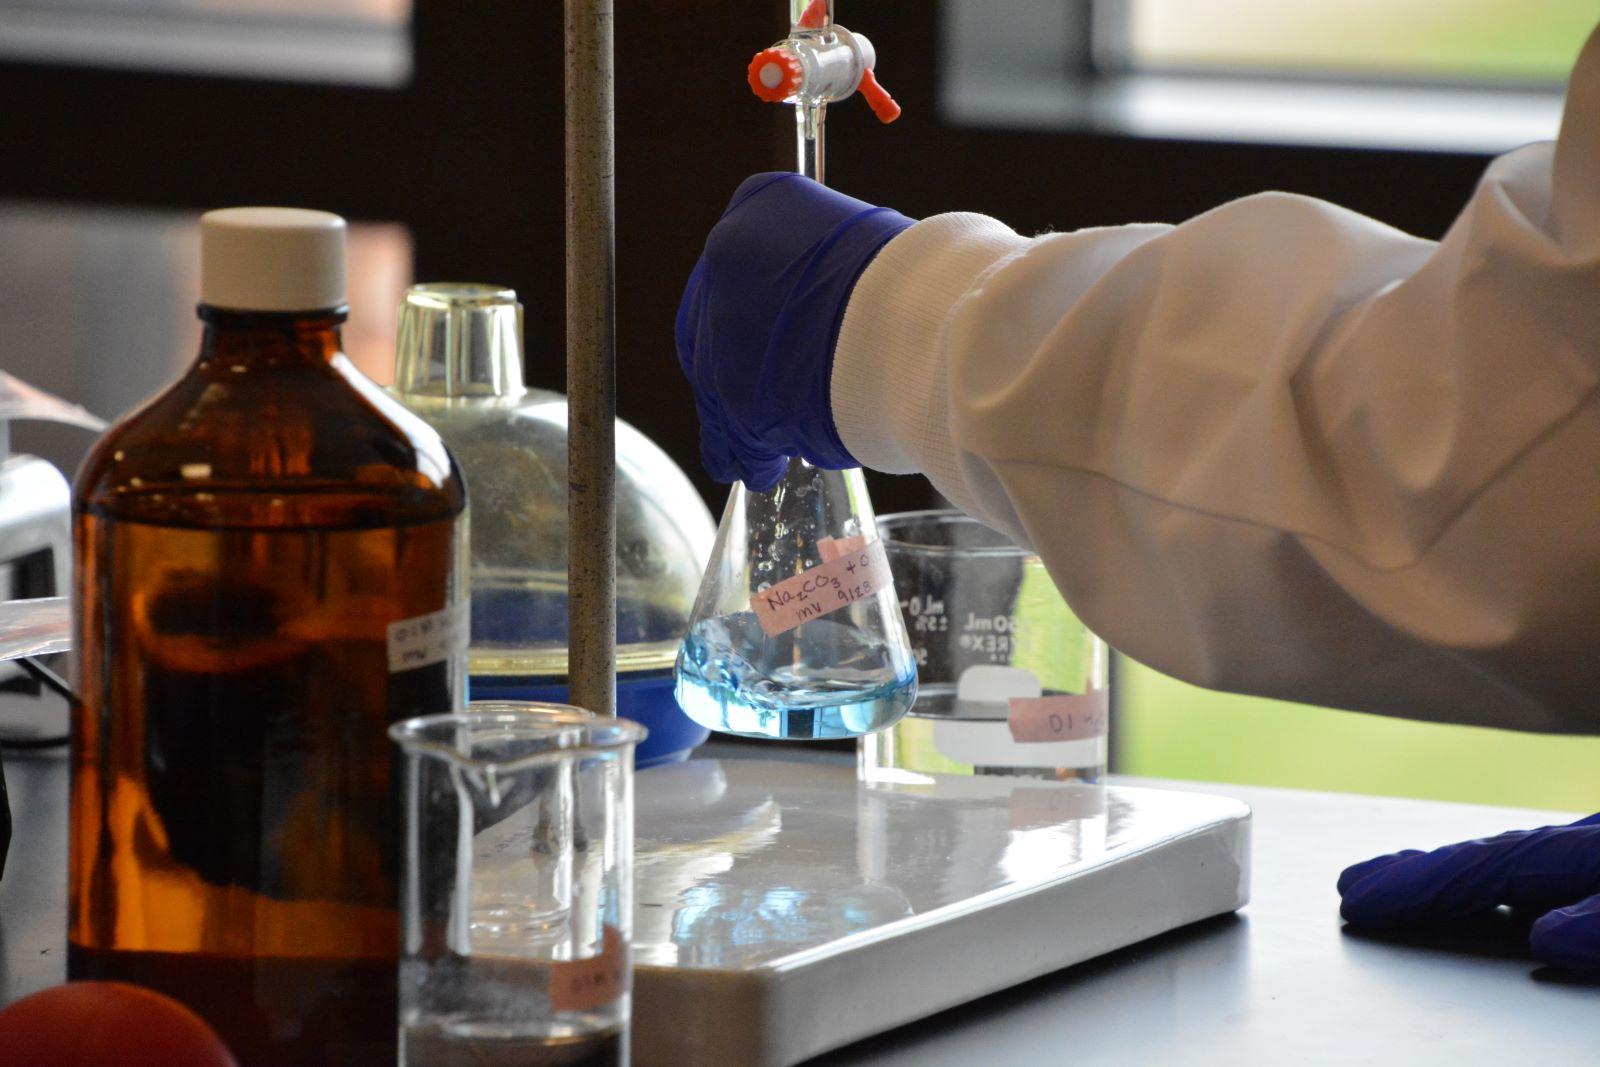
x: 779, y: 73
x: 878, y: 98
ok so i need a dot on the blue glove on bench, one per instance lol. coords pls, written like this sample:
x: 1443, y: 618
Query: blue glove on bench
x: 1554, y: 870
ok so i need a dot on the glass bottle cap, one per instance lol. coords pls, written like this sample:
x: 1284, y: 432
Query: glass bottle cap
x: 460, y: 339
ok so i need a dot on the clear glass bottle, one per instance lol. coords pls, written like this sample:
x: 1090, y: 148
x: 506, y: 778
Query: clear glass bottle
x: 460, y: 367
x: 796, y: 632
x: 268, y: 572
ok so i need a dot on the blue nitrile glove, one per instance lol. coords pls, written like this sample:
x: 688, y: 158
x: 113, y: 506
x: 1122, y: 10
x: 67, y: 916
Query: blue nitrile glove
x: 759, y: 320
x: 1554, y: 870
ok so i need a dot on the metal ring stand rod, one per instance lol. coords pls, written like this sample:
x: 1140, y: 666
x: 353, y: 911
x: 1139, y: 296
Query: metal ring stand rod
x: 591, y: 357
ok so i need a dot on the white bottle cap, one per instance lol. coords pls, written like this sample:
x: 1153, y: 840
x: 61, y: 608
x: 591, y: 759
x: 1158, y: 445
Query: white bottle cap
x: 271, y: 259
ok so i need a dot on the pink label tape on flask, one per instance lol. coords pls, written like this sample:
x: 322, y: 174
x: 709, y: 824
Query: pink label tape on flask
x: 822, y: 590
x: 831, y: 548
x: 1068, y: 717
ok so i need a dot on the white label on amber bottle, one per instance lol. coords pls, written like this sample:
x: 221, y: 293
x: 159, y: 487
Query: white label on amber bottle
x: 1067, y: 717
x: 838, y: 583
x: 427, y: 639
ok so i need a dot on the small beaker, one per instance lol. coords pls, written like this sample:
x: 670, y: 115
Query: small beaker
x: 517, y: 892
x: 1011, y: 682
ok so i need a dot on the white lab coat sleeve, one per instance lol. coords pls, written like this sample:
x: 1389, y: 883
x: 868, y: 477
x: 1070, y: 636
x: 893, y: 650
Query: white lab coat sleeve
x: 1280, y: 449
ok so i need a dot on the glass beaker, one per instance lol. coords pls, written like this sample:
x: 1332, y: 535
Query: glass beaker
x: 517, y: 892
x: 1011, y: 682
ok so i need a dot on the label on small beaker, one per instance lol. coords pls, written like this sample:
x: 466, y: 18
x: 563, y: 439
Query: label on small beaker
x: 1062, y: 717
x: 432, y: 638
x: 823, y: 589
x: 586, y: 984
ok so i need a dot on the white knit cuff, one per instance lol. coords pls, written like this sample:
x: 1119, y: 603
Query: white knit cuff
x: 889, y: 385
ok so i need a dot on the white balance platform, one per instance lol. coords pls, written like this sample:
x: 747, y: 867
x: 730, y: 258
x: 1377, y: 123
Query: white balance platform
x: 783, y: 909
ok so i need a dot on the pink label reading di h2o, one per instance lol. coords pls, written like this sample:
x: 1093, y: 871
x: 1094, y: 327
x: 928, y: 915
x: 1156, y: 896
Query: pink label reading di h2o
x: 838, y: 583
x: 1065, y: 717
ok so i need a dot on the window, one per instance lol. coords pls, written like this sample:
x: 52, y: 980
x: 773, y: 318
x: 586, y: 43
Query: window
x: 1510, y: 41
x: 1454, y: 75
x: 362, y: 42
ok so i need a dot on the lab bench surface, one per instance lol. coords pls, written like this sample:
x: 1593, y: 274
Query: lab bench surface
x: 1279, y: 983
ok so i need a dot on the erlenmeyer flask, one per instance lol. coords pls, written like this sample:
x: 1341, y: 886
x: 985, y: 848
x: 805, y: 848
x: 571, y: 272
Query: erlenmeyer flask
x: 797, y: 632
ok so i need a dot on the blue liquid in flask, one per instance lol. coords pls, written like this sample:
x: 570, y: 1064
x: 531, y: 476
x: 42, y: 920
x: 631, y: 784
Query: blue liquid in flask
x: 825, y: 679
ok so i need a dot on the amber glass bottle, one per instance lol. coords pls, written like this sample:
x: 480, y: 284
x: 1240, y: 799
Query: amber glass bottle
x: 269, y: 571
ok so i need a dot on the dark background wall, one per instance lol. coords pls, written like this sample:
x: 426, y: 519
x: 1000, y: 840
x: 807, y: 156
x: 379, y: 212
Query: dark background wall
x: 468, y: 158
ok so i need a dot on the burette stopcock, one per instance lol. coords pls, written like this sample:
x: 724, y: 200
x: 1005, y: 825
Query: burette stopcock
x: 821, y: 67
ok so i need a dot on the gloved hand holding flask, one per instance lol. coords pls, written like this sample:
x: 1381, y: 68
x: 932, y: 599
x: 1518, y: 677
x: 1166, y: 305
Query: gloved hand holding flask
x: 796, y: 632
x: 759, y: 320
